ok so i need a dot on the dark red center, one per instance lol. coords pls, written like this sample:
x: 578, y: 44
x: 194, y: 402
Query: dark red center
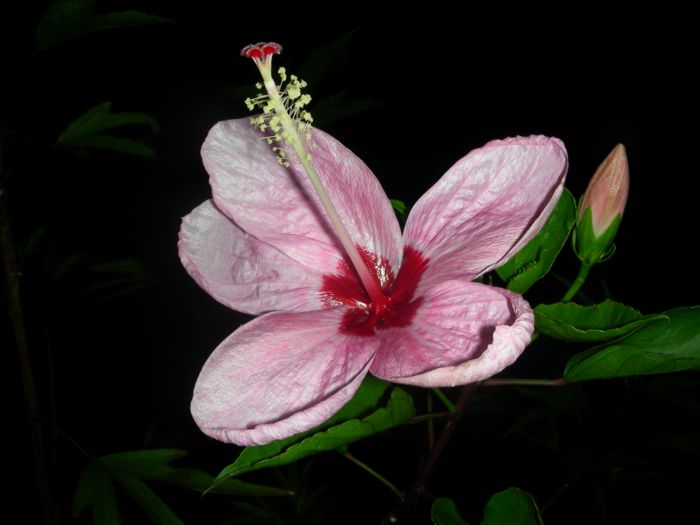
x: 396, y: 308
x: 261, y: 50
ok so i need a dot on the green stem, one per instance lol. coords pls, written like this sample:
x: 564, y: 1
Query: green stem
x: 524, y: 382
x: 429, y: 417
x: 578, y: 282
x: 372, y: 472
x: 445, y: 401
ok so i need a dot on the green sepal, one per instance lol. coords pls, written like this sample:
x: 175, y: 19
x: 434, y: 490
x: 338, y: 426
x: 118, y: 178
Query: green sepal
x: 588, y: 246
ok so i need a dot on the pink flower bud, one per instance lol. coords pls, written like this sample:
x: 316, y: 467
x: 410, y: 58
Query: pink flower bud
x: 601, y: 208
x: 606, y: 194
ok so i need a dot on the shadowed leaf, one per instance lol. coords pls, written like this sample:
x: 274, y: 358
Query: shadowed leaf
x: 444, y: 512
x: 67, y: 19
x: 156, y: 509
x: 95, y: 490
x: 154, y: 465
x: 85, y: 131
x: 511, y: 507
x: 340, y: 106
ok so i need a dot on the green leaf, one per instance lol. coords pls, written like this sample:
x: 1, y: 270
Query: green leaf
x: 116, y: 144
x: 121, y: 276
x: 67, y: 19
x: 668, y: 344
x: 85, y: 131
x: 535, y: 259
x: 95, y: 489
x: 444, y: 512
x: 331, y: 435
x: 511, y: 507
x: 156, y: 509
x: 399, y: 206
x: 600, y: 322
x: 34, y: 243
x: 153, y: 465
x: 365, y: 399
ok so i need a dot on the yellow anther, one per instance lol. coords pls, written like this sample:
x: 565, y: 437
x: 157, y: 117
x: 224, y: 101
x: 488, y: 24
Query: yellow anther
x: 283, y: 121
x: 293, y: 90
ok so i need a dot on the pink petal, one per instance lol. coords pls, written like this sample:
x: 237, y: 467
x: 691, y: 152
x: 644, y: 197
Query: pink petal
x: 240, y: 271
x: 463, y: 332
x: 487, y: 206
x: 278, y: 375
x: 279, y: 206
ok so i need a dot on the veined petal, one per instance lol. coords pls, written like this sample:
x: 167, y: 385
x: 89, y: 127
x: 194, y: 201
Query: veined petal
x: 280, y: 374
x: 280, y: 207
x: 462, y: 332
x: 487, y: 206
x: 241, y: 271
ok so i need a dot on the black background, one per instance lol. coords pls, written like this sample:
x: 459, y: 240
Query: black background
x: 448, y: 81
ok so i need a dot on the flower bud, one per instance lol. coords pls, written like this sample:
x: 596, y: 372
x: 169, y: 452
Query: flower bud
x: 600, y: 211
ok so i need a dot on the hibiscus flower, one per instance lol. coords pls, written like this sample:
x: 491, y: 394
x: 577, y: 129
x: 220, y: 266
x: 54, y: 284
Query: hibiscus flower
x: 264, y: 245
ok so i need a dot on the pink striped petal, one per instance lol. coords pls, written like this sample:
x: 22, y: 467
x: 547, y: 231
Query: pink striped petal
x: 241, y: 271
x: 279, y: 375
x: 463, y: 332
x: 279, y: 206
x: 487, y: 206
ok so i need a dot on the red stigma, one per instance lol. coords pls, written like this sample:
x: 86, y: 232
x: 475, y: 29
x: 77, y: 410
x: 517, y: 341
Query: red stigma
x: 261, y: 50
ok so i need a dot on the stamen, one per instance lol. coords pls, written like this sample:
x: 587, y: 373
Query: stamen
x: 284, y: 115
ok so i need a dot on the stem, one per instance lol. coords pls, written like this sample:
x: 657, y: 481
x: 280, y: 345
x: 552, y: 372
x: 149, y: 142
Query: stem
x: 417, y: 489
x: 72, y: 441
x: 373, y: 472
x: 525, y: 382
x: 578, y: 282
x: 14, y: 308
x: 445, y: 401
x: 429, y: 417
x: 431, y: 421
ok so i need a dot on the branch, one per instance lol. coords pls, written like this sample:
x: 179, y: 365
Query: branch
x: 14, y: 308
x: 418, y: 488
